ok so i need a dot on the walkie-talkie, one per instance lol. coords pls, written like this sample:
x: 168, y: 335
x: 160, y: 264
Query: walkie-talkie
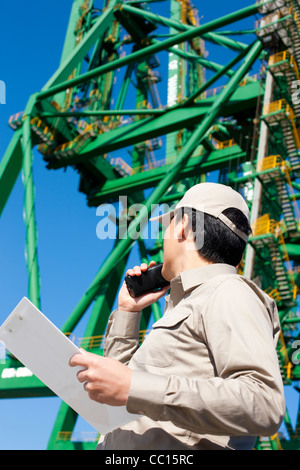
x: 148, y: 281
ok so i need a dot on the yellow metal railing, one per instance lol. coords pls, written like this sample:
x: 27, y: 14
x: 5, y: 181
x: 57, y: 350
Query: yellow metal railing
x: 281, y: 106
x: 42, y: 129
x: 36, y: 123
x: 273, y: 107
x: 282, y: 57
x: 250, y: 79
x: 279, y: 57
x: 294, y: 66
x: 287, y: 365
x: 296, y: 19
x: 64, y: 436
x: 264, y: 226
x: 276, y: 161
x: 277, y: 106
x: 292, y: 194
x: 276, y: 440
x: 273, y: 293
x: 16, y: 117
x: 272, y: 162
x: 122, y: 164
x: 79, y: 140
x: 89, y: 342
x: 85, y: 436
x: 226, y: 144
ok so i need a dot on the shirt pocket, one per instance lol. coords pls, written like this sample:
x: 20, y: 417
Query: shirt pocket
x: 159, y: 347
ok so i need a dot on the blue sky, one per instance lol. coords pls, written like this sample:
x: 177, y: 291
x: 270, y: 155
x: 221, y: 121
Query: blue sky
x: 31, y: 37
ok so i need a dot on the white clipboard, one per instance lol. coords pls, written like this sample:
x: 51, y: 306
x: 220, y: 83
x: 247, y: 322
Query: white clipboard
x: 45, y: 351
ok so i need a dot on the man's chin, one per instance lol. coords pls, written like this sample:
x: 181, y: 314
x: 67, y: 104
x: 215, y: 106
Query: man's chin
x: 165, y: 273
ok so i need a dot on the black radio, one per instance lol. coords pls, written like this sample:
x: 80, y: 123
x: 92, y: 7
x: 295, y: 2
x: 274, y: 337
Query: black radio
x: 148, y: 281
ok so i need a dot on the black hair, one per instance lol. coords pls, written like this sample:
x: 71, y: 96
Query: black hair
x: 219, y: 243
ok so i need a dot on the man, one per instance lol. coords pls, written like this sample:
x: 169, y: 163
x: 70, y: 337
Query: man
x: 207, y: 375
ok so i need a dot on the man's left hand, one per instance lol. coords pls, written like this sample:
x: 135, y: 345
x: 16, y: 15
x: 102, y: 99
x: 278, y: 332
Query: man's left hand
x: 105, y: 379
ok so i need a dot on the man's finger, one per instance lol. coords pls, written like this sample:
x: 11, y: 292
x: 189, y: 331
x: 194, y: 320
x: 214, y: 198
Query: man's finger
x: 82, y: 376
x: 137, y: 270
x: 78, y: 360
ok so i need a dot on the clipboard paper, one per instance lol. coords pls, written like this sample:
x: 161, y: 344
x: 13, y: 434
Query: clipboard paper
x: 41, y: 347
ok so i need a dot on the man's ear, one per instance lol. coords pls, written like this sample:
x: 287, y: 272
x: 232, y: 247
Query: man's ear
x: 182, y: 228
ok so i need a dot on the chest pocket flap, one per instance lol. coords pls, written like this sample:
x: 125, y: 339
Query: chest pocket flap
x: 171, y: 319
x: 159, y: 347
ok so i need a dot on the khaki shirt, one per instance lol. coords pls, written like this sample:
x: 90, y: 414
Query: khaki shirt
x: 207, y: 375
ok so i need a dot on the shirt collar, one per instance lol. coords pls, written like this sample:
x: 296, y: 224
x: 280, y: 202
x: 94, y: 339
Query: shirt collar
x: 195, y: 277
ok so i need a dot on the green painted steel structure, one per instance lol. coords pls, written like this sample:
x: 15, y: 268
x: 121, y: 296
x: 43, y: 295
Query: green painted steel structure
x: 244, y: 133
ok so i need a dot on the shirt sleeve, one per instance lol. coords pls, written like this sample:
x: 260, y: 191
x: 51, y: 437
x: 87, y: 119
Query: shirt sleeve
x: 122, y: 335
x: 246, y: 395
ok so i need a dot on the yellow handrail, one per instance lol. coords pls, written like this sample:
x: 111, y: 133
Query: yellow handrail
x: 276, y: 161
x: 122, y: 164
x: 16, y: 117
x: 89, y: 342
x: 279, y: 57
x: 283, y: 106
x: 276, y: 439
x: 38, y: 125
x: 295, y: 67
x: 284, y: 56
x: 85, y: 436
x: 273, y: 293
x: 271, y: 162
x: 264, y: 226
x: 227, y: 143
x: 279, y: 105
x: 284, y: 354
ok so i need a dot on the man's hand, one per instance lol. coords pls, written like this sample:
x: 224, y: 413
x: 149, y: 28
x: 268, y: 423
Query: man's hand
x: 106, y: 380
x: 136, y: 304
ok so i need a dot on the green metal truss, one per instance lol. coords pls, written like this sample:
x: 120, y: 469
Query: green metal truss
x: 133, y: 110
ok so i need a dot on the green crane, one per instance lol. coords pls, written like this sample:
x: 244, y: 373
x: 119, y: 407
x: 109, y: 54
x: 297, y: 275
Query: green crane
x: 140, y: 112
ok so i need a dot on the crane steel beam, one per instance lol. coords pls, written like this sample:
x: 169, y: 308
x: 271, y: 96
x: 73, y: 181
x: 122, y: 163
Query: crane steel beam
x: 10, y: 167
x: 128, y: 185
x: 146, y: 51
x: 29, y: 215
x: 216, y: 38
x: 175, y: 119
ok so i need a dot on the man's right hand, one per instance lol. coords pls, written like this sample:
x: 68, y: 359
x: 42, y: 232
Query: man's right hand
x: 136, y: 304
